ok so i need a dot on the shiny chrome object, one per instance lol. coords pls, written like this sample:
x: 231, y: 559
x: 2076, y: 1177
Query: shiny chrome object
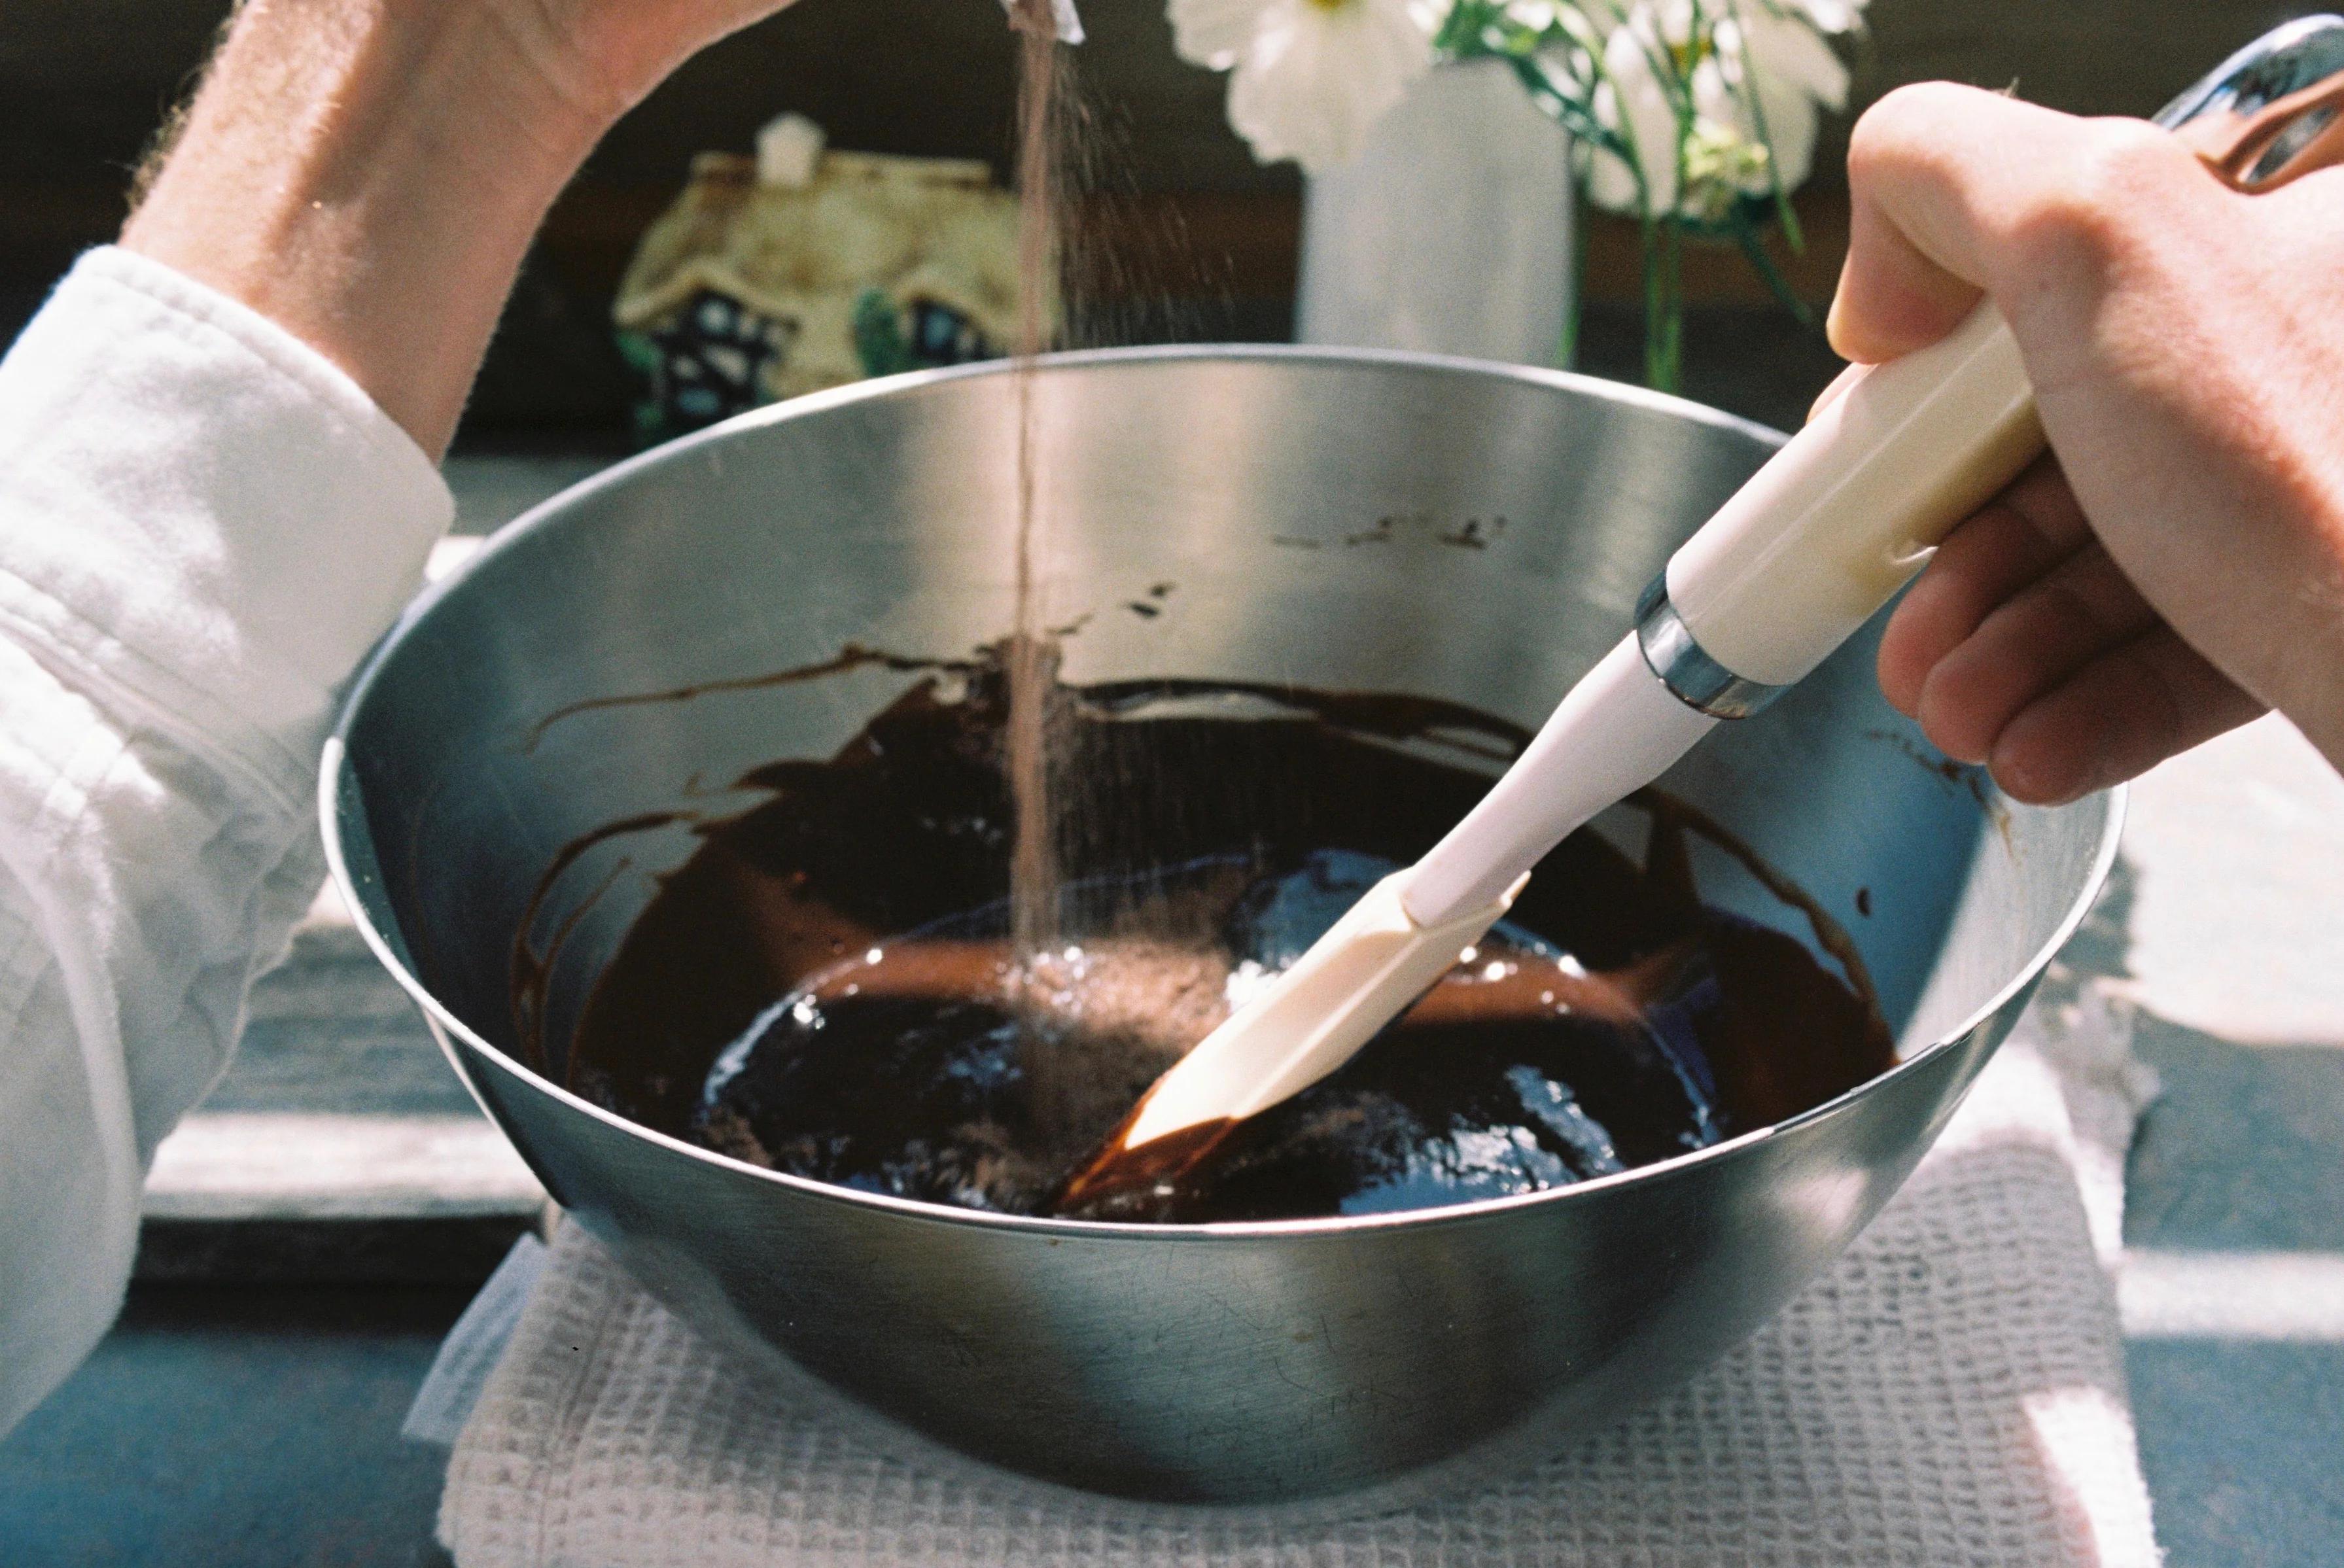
x: 1337, y: 520
x: 1675, y: 655
x: 2267, y: 114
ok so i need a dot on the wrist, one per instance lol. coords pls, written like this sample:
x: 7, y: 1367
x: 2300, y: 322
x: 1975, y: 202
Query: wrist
x: 371, y: 181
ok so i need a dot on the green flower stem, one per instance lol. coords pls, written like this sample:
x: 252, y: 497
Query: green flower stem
x: 1753, y: 244
x: 1574, y: 285
x: 1664, y: 306
x: 1781, y: 197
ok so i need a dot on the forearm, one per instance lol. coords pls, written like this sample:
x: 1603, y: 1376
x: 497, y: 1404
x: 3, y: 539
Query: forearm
x: 368, y: 174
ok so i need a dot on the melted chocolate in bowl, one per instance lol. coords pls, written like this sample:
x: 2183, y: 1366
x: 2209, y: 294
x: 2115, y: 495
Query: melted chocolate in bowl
x: 827, y: 985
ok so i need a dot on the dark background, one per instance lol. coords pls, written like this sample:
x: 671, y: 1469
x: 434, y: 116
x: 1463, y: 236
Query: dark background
x: 85, y: 82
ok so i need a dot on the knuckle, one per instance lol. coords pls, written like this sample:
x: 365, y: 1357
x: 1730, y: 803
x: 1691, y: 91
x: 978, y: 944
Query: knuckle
x: 1924, y: 101
x: 2072, y: 611
x: 2101, y: 205
x: 1900, y: 123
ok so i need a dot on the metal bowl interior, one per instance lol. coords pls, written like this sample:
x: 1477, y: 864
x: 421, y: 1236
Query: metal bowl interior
x: 1344, y: 521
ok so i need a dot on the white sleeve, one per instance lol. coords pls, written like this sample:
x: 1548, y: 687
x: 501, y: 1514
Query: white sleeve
x: 204, y: 524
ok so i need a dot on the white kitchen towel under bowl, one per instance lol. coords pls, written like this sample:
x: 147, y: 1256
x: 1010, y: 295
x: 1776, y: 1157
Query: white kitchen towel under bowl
x: 1950, y: 1393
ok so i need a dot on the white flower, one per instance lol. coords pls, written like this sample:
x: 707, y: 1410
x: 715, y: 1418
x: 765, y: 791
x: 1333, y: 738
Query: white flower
x: 1794, y: 73
x: 1832, y: 16
x: 1311, y: 76
x: 1713, y: 61
x: 1634, y: 101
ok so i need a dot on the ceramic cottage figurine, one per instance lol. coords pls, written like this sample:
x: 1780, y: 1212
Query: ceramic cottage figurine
x: 803, y: 268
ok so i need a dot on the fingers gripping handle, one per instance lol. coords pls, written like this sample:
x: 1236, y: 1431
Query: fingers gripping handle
x: 1844, y: 514
x: 1841, y: 518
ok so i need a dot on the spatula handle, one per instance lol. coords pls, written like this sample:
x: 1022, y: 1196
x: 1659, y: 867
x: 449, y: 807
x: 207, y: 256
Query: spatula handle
x: 1844, y: 515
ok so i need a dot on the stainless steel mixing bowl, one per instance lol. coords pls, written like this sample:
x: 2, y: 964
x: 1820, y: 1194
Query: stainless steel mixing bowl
x: 1341, y: 521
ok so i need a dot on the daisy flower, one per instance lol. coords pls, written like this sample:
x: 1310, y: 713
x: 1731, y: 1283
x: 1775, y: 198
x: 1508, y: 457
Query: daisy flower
x: 1309, y: 78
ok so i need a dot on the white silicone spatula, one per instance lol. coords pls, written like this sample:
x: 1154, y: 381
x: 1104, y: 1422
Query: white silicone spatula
x: 1819, y: 539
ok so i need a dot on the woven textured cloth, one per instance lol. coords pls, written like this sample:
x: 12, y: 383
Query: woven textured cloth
x: 1950, y: 1393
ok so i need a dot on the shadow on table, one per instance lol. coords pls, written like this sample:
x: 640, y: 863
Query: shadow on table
x: 2242, y: 1153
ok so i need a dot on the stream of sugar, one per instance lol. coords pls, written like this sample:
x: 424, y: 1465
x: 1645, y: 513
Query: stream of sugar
x: 1042, y: 124
x: 1045, y: 124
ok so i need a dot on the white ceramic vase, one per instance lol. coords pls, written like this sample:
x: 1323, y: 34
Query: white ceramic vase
x: 1451, y: 232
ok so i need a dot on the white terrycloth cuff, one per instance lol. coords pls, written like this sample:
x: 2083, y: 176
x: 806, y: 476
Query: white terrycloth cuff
x: 212, y: 521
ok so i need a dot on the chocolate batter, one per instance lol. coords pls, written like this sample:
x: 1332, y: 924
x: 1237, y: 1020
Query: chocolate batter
x: 827, y: 987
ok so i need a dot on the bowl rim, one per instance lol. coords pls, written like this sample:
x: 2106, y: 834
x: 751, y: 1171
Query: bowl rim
x: 334, y: 770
